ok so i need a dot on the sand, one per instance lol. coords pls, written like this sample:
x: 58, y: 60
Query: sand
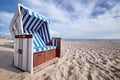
x: 80, y: 60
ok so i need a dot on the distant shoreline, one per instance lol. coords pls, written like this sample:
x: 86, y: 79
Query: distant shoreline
x: 110, y: 40
x: 5, y: 37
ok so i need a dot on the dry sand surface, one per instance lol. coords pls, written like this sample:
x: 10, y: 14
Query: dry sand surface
x: 85, y: 60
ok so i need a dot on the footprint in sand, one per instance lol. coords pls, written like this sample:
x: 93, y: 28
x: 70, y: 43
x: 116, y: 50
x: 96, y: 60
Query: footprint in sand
x: 1, y: 71
x: 18, y: 77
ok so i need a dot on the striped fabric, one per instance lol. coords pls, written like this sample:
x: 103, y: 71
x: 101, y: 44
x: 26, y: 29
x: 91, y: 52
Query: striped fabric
x: 38, y: 42
x: 44, y: 48
x: 54, y: 42
x: 44, y: 32
x: 39, y: 45
x: 33, y: 13
x: 31, y: 23
x: 37, y: 25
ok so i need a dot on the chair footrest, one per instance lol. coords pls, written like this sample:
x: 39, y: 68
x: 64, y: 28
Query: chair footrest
x: 40, y: 67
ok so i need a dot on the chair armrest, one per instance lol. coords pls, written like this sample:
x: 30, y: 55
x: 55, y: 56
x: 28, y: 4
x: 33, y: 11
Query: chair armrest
x: 24, y: 36
x: 57, y: 42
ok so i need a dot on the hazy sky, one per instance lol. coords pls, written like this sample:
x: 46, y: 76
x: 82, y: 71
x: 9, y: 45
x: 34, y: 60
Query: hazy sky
x: 72, y: 19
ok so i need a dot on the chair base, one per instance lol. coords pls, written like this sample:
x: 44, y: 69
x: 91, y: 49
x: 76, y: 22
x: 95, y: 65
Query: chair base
x: 42, y: 66
x: 42, y: 57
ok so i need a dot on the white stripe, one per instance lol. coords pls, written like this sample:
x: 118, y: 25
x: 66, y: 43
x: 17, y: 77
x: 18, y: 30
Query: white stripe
x: 38, y: 39
x: 35, y: 14
x: 43, y: 33
x: 40, y: 49
x: 36, y: 25
x: 32, y: 24
x: 34, y: 39
x: 30, y: 12
x: 23, y: 14
x: 34, y: 50
x: 39, y: 25
x: 40, y: 17
x: 24, y: 61
x: 46, y: 33
x: 26, y: 26
x: 48, y: 48
x: 25, y: 18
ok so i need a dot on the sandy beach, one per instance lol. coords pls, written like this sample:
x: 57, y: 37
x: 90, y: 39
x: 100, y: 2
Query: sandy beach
x: 80, y: 60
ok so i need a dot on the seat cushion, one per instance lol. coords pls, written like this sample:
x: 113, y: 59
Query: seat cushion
x: 44, y: 48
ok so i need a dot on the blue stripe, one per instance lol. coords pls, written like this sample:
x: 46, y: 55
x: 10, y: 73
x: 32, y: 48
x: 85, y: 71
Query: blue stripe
x: 33, y: 39
x: 38, y: 25
x: 24, y: 16
x: 21, y: 7
x: 44, y: 33
x: 37, y: 49
x: 47, y: 48
x: 26, y: 21
x: 41, y: 32
x: 47, y: 32
x: 44, y: 48
x: 40, y: 39
x: 40, y: 44
x: 33, y: 25
x: 26, y: 31
x: 34, y: 43
x: 36, y: 40
x: 33, y: 14
x: 54, y: 42
x: 30, y: 23
x: 38, y: 16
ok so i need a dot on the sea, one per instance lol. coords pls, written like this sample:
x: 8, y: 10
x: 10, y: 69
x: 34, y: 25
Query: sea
x: 109, y: 40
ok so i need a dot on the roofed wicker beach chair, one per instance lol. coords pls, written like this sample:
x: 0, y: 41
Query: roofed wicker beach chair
x: 34, y: 48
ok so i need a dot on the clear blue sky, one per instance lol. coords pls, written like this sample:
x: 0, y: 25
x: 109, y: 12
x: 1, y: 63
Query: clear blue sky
x: 73, y: 19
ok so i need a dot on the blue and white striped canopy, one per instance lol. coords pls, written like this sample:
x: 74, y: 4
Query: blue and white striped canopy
x: 35, y: 14
x: 37, y: 25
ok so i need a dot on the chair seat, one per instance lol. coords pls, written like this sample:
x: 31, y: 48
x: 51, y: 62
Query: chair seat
x: 44, y: 48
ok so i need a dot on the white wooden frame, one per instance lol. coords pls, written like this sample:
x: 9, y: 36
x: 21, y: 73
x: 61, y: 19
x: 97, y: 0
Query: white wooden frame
x: 22, y: 61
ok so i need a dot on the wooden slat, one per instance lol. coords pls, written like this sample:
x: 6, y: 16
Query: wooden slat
x: 20, y: 55
x: 40, y: 67
x: 30, y: 55
x: 58, y: 49
x: 16, y: 52
x: 24, y: 57
x: 35, y: 60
